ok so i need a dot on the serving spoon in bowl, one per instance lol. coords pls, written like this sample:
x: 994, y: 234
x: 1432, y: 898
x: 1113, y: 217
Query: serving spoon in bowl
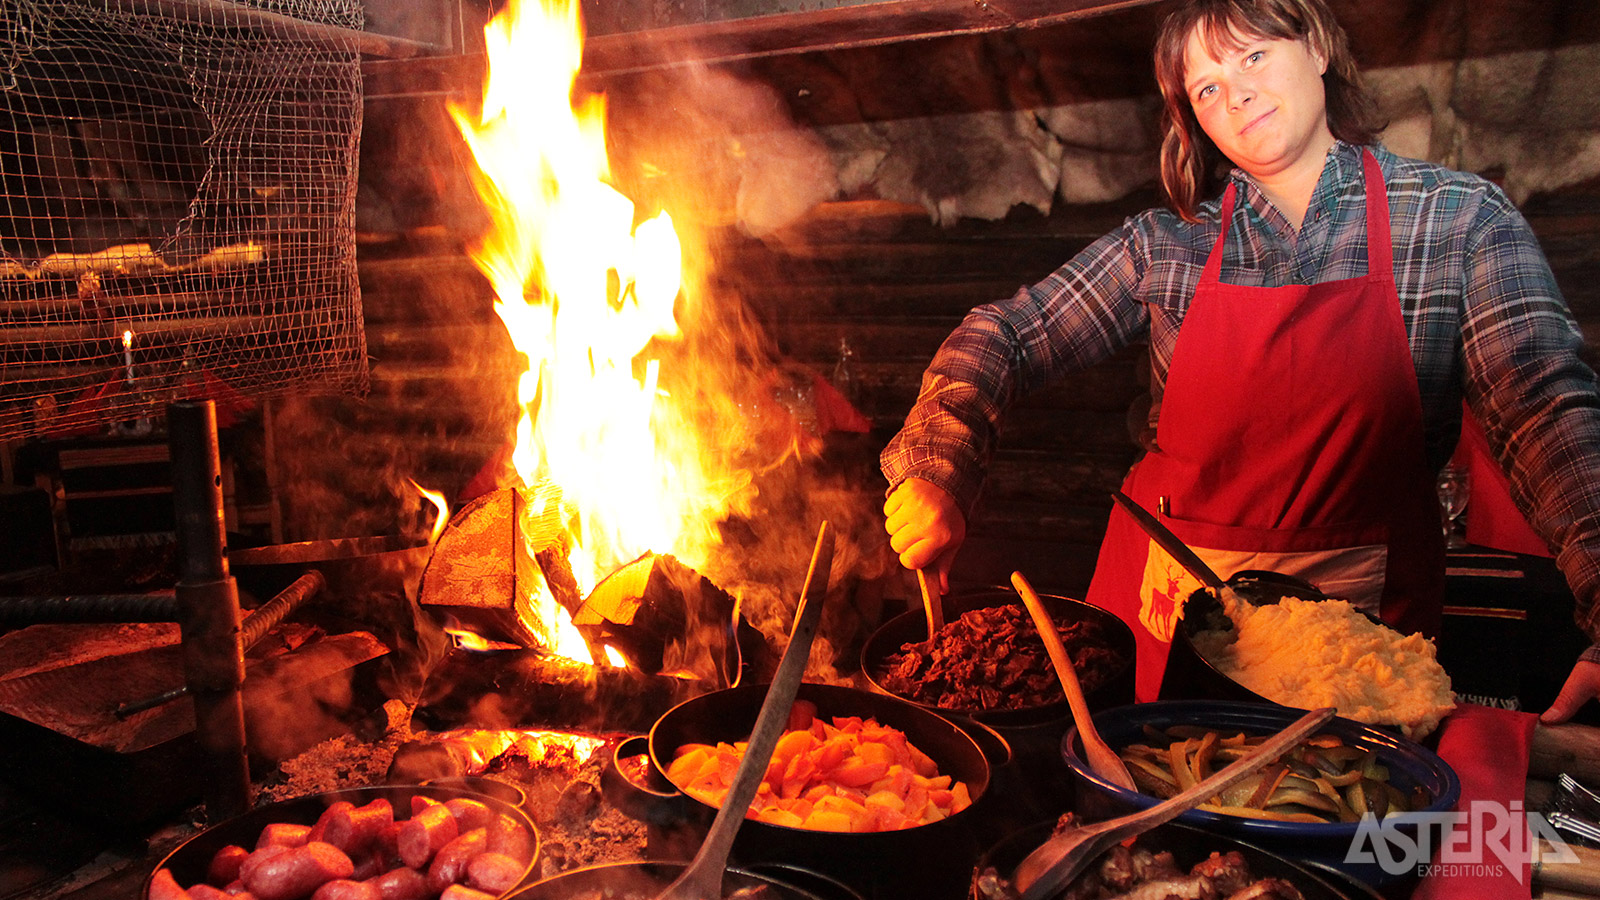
x: 702, y: 878
x: 1048, y: 870
x: 1105, y: 761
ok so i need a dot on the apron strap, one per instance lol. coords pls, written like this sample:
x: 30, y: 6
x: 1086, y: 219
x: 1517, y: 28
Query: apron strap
x: 1213, y: 270
x: 1380, y: 250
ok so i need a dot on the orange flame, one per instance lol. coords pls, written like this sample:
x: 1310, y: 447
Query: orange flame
x: 587, y: 292
x: 468, y: 640
x: 561, y: 636
x: 438, y: 501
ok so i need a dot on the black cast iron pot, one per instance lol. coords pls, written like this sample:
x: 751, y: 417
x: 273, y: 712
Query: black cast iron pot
x: 1037, y: 784
x: 910, y: 627
x: 929, y: 861
x: 189, y: 860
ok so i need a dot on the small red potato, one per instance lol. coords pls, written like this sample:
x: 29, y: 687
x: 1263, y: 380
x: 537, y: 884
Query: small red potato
x: 462, y: 892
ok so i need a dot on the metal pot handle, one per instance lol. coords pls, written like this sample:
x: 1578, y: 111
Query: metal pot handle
x: 995, y: 748
x: 638, y: 801
x: 810, y: 881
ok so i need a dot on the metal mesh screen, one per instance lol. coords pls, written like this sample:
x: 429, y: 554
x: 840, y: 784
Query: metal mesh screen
x: 177, y: 189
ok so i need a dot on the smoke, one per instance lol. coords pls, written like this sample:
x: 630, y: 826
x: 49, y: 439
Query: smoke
x: 716, y: 149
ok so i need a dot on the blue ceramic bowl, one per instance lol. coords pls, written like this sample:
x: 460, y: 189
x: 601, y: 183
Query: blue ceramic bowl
x: 1410, y: 766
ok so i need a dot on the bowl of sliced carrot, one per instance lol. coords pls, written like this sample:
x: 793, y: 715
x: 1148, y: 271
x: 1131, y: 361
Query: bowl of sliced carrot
x: 861, y: 786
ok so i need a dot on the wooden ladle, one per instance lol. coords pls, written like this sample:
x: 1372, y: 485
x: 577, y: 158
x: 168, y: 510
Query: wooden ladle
x: 702, y: 879
x: 1050, y: 869
x: 1102, y: 759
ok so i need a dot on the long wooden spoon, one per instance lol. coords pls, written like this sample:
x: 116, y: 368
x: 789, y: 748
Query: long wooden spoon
x: 702, y: 880
x: 1048, y: 870
x: 1105, y: 761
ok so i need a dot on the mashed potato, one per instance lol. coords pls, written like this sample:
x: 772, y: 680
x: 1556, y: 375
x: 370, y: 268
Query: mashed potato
x: 1310, y: 654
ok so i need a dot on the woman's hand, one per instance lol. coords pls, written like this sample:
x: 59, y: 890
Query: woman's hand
x: 1582, y: 685
x: 925, y: 527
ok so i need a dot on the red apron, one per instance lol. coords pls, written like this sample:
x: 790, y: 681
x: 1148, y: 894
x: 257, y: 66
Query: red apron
x: 1292, y: 423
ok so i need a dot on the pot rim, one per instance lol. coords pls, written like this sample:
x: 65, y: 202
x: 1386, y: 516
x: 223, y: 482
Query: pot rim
x: 670, y: 864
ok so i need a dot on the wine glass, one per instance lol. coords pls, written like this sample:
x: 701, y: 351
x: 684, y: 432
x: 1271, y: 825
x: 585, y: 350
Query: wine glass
x: 1454, y: 491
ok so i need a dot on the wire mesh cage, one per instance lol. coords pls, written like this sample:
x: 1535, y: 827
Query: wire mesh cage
x: 177, y: 190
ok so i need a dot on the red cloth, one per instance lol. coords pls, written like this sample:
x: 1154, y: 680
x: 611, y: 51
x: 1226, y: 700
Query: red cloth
x: 1493, y: 520
x: 1488, y: 748
x: 834, y: 410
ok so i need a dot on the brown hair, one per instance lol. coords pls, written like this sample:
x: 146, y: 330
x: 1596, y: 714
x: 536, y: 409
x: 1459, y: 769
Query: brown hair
x: 1189, y: 159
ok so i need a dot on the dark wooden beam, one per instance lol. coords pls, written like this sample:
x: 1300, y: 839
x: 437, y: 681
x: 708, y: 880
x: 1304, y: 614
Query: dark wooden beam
x: 860, y: 25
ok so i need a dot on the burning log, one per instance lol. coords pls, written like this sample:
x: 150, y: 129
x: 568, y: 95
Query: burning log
x: 493, y: 561
x: 665, y: 617
x: 529, y: 689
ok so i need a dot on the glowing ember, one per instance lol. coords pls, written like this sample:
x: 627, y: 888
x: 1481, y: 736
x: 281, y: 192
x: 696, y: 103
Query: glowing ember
x: 585, y: 290
x: 540, y: 745
x: 615, y: 657
x: 438, y: 501
x: 485, y: 746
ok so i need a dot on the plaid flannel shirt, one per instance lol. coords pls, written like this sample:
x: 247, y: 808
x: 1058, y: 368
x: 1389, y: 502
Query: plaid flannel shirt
x: 1484, y: 318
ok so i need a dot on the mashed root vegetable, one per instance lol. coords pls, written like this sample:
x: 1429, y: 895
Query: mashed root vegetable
x: 1310, y: 654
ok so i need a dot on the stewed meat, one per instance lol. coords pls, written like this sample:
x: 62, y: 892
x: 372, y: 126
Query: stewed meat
x: 993, y: 659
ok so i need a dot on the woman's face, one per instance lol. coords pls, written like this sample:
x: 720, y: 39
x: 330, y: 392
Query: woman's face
x: 1260, y: 100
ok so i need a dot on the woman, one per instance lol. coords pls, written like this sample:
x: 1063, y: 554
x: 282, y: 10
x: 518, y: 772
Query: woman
x: 1312, y: 333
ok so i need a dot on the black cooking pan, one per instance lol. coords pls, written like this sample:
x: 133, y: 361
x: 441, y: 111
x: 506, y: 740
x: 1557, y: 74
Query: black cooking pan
x: 1190, y: 676
x: 929, y: 861
x: 188, y: 862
